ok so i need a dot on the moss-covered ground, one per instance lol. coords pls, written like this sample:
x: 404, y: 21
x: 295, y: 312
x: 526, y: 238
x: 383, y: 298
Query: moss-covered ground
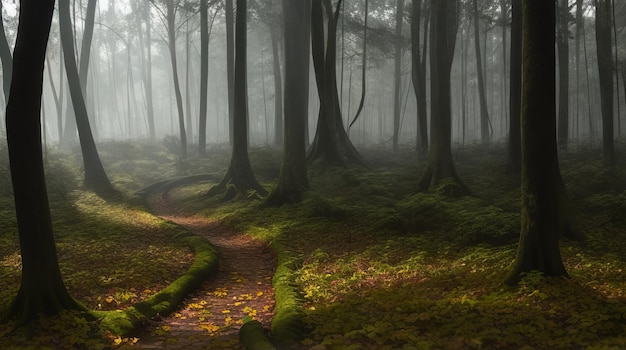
x: 367, y: 262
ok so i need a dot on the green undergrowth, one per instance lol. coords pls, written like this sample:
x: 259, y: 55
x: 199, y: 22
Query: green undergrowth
x: 113, y: 256
x: 379, y: 265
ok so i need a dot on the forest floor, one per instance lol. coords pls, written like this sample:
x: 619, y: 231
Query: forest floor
x: 211, y: 316
x: 376, y: 263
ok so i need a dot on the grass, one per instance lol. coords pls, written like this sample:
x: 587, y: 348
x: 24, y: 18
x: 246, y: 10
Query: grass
x: 366, y: 262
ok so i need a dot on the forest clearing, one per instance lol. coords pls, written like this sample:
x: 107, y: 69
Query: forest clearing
x: 312, y: 174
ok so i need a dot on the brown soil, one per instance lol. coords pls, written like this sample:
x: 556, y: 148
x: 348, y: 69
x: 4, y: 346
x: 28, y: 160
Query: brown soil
x: 210, y: 317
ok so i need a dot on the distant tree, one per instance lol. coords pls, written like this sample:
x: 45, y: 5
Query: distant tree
x: 95, y: 176
x: 239, y: 177
x: 418, y: 73
x: 331, y: 144
x: 204, y: 74
x: 142, y: 16
x: 397, y: 98
x: 542, y: 222
x: 6, y: 57
x: 41, y: 288
x: 444, y: 23
x: 605, y: 68
x: 169, y: 18
x: 562, y: 43
x: 293, y: 180
x: 230, y: 65
x: 485, y: 123
x: 514, y: 161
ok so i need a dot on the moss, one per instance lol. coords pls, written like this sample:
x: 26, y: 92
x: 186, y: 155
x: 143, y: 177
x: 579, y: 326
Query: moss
x: 287, y: 325
x: 252, y: 336
x: 167, y: 300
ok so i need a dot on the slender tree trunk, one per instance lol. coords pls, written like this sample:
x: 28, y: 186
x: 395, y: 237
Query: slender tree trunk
x: 503, y: 13
x: 148, y: 74
x: 293, y: 178
x: 278, y: 89
x: 563, y: 49
x: 444, y: 23
x: 397, y: 94
x: 619, y: 117
x: 514, y: 162
x: 171, y: 36
x: 579, y: 24
x: 230, y: 65
x: 418, y: 75
x: 485, y: 134
x: 7, y: 59
x: 605, y: 66
x: 41, y: 288
x: 95, y: 176
x: 204, y: 74
x: 187, y: 85
x: 541, y: 222
x: 240, y: 177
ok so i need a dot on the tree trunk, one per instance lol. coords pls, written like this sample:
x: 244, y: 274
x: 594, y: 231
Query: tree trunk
x: 442, y: 41
x: 418, y: 76
x: 95, y: 176
x: 278, y: 88
x: 7, y: 59
x: 41, y: 289
x: 204, y: 74
x: 579, y: 24
x: 171, y: 37
x: 605, y: 66
x: 240, y: 177
x: 541, y: 178
x: 187, y: 85
x: 293, y: 180
x: 514, y: 161
x: 485, y: 134
x: 331, y: 143
x: 230, y: 66
x: 147, y: 74
x: 563, y: 49
x: 397, y: 96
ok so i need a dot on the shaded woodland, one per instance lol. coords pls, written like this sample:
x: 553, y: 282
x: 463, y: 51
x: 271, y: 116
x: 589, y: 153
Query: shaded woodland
x: 313, y: 174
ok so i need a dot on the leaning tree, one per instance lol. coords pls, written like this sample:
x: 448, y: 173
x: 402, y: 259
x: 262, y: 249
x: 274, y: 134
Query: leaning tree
x: 41, y: 288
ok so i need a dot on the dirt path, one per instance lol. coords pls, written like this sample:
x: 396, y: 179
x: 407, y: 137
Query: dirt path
x: 210, y: 317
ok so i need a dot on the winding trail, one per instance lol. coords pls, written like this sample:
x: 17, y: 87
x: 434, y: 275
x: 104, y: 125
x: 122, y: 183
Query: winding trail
x: 211, y: 316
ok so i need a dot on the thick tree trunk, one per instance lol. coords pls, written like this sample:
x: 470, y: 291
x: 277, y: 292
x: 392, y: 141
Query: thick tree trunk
x: 293, y: 180
x: 418, y: 75
x: 7, y: 59
x: 397, y: 95
x: 563, y: 49
x: 541, y: 179
x: 240, y: 177
x: 95, y: 176
x: 514, y: 161
x: 230, y: 66
x: 278, y: 89
x: 204, y: 74
x: 485, y: 129
x: 331, y: 143
x: 443, y: 36
x: 605, y: 66
x: 41, y: 289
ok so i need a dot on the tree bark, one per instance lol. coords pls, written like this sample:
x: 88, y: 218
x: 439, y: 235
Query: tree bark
x: 278, y: 89
x: 171, y: 37
x: 95, y: 176
x: 440, y: 165
x: 541, y: 218
x: 41, y: 288
x: 514, y: 161
x: 7, y: 59
x: 293, y: 180
x: 204, y: 74
x: 418, y: 75
x: 485, y: 123
x: 397, y: 96
x: 240, y: 178
x: 605, y: 66
x: 230, y: 66
x: 563, y: 50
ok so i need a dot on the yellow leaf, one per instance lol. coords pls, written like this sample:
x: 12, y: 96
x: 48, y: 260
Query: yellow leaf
x: 117, y: 341
x: 225, y: 311
x: 237, y: 303
x: 258, y: 294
